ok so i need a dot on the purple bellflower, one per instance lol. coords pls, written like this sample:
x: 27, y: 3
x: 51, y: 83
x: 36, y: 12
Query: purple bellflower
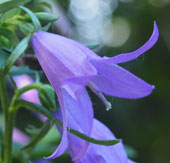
x: 19, y: 137
x: 70, y: 67
x: 22, y: 81
x: 91, y: 153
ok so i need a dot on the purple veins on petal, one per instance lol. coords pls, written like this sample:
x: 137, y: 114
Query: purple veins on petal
x: 125, y: 57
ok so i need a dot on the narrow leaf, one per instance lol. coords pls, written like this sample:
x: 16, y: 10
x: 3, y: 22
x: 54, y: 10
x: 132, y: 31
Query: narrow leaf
x: 7, y: 5
x: 34, y: 19
x: 43, y: 111
x: 18, y: 51
x: 46, y: 4
x: 44, y: 16
x: 3, y: 58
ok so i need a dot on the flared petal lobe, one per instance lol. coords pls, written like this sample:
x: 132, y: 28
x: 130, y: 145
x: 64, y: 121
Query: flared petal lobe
x: 116, y: 81
x: 104, y: 154
x: 79, y: 117
x: 125, y: 57
x: 64, y: 140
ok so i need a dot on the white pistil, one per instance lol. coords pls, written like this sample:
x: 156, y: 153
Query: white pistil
x: 94, y: 88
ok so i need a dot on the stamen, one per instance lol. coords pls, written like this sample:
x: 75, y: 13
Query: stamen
x: 94, y: 88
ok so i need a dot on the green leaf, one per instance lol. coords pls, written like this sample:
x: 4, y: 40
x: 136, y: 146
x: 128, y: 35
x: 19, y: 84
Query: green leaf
x: 42, y: 133
x: 6, y: 5
x: 3, y: 58
x: 10, y: 35
x: 34, y: 19
x: 7, y: 16
x: 46, y: 4
x: 93, y: 46
x: 43, y: 111
x: 21, y: 70
x: 18, y: 51
x: 43, y: 16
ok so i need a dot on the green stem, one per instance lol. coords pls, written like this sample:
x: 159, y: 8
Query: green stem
x: 40, y: 109
x: 8, y: 138
x: 38, y: 87
x: 9, y: 116
x: 5, y: 104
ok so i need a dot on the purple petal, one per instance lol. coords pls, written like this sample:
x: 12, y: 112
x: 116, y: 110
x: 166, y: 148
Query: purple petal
x: 101, y: 153
x: 116, y: 81
x: 79, y: 117
x: 64, y: 141
x: 60, y: 58
x: 125, y: 57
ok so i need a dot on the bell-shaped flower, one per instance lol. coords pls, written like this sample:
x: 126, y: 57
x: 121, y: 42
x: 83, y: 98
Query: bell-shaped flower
x: 89, y: 152
x: 70, y: 67
x: 94, y: 153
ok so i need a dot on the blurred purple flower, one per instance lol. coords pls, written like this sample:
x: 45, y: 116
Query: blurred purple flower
x: 31, y: 95
x: 22, y: 81
x: 19, y: 137
x: 70, y: 67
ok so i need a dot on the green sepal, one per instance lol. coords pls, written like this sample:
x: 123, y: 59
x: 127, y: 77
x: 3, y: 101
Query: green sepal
x: 40, y: 135
x: 34, y: 19
x: 17, y: 52
x: 42, y: 16
x: 40, y: 109
x: 6, y: 5
x: 47, y: 102
x: 10, y: 35
x: 26, y: 28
